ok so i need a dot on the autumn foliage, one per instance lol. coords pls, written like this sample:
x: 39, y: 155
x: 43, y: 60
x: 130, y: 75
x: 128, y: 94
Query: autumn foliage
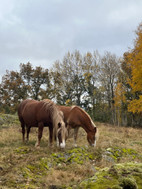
x: 135, y: 64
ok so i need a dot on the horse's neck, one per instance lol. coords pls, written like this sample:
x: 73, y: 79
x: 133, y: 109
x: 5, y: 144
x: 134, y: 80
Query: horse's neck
x: 87, y: 123
x: 87, y: 126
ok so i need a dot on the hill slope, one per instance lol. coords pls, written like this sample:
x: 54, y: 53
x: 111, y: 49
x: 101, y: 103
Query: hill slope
x: 116, y: 161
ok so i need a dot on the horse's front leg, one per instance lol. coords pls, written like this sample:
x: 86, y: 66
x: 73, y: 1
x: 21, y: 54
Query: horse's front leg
x: 75, y: 136
x: 40, y: 131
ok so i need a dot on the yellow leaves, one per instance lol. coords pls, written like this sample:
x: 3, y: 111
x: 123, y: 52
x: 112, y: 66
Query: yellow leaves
x: 135, y: 106
x: 136, y: 83
x: 119, y: 95
x: 89, y: 55
x: 87, y: 76
x: 68, y: 102
x: 135, y: 63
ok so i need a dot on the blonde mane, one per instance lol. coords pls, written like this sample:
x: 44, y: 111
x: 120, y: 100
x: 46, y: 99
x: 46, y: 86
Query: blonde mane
x: 55, y: 114
x: 50, y: 106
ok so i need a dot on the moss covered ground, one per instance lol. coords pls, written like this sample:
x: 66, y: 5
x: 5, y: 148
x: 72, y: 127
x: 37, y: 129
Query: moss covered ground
x: 115, y: 163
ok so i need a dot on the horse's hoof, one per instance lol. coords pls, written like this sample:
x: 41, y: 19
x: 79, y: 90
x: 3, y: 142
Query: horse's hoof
x: 37, y: 145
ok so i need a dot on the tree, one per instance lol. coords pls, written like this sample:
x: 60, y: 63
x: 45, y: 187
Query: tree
x: 119, y: 100
x: 36, y: 80
x: 110, y: 68
x: 70, y: 84
x: 90, y: 72
x: 135, y: 64
x: 28, y: 83
x: 12, y: 90
x: 40, y: 78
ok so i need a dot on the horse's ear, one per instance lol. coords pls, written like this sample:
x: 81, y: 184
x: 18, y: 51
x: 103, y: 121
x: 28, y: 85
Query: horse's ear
x: 59, y: 125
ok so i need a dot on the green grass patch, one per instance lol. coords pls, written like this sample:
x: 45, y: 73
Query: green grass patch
x: 128, y: 175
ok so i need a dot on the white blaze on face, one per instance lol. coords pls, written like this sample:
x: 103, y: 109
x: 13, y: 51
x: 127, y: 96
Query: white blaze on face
x: 62, y: 145
x: 96, y: 135
x: 94, y: 143
x: 57, y: 142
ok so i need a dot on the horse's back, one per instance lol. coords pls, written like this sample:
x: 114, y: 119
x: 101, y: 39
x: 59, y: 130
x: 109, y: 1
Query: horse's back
x: 26, y: 111
x: 22, y: 105
x: 72, y: 114
x: 66, y: 111
x: 75, y: 117
x: 78, y: 117
x: 34, y: 112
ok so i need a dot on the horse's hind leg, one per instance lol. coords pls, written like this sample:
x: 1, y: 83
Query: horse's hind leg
x: 28, y: 131
x: 23, y: 130
x: 75, y: 136
x: 40, y: 130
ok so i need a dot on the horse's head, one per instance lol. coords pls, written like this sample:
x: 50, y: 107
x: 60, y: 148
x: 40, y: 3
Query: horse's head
x: 62, y: 134
x: 59, y: 129
x: 91, y: 137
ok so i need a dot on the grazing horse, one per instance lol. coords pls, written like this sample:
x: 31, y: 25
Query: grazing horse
x: 76, y: 117
x: 41, y: 114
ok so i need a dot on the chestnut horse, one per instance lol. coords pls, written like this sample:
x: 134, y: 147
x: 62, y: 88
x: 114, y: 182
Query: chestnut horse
x: 76, y: 117
x: 41, y: 114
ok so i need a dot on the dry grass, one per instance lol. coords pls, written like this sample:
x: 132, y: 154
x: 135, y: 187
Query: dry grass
x: 126, y: 137
x: 18, y: 161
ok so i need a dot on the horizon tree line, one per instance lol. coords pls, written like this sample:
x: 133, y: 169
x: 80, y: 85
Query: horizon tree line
x: 108, y: 87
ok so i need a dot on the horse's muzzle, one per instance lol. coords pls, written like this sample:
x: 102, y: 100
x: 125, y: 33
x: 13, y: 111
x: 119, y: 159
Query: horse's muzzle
x: 62, y: 145
x: 93, y: 145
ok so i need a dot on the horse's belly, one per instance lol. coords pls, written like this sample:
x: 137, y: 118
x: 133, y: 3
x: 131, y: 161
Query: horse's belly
x: 31, y: 123
x: 46, y: 124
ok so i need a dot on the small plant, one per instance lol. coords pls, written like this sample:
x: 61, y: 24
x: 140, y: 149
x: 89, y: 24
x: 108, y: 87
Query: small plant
x: 128, y: 183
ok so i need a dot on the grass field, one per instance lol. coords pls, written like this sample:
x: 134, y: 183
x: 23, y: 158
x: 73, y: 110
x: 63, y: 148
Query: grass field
x: 116, y: 161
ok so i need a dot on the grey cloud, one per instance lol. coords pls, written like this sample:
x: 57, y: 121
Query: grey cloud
x: 43, y: 31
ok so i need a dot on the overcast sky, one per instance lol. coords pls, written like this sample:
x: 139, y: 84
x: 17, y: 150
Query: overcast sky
x: 43, y: 31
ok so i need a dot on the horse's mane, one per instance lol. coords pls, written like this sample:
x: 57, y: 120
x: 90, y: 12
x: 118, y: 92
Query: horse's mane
x: 84, y: 113
x: 55, y: 114
x: 50, y: 106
